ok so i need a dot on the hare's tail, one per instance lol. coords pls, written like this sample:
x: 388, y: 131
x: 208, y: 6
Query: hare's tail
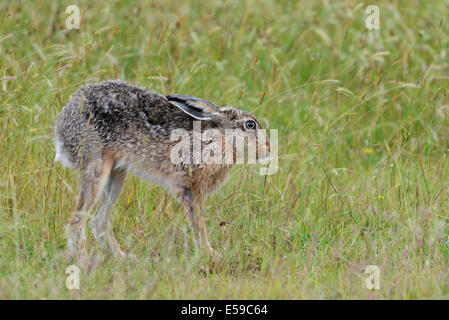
x: 63, y: 155
x: 67, y: 134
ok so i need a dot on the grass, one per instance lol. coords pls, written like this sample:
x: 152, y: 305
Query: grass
x: 363, y: 143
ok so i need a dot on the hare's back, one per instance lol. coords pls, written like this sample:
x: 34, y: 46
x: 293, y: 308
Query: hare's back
x: 112, y: 113
x: 119, y: 105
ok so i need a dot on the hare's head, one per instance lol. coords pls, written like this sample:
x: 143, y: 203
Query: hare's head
x: 242, y: 131
x: 243, y: 128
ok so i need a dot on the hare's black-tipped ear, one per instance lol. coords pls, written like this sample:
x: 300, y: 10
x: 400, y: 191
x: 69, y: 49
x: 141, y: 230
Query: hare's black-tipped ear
x: 195, y: 107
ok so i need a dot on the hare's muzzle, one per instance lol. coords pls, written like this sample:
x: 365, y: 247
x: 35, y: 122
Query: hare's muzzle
x: 263, y: 150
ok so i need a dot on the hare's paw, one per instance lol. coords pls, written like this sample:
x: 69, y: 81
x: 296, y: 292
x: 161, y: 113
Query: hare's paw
x: 132, y: 258
x: 211, y: 252
x: 123, y: 256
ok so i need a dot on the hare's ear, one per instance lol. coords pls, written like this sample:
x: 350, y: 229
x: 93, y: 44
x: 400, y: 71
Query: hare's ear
x: 195, y: 107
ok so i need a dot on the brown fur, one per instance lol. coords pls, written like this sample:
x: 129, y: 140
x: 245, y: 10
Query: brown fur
x: 110, y: 128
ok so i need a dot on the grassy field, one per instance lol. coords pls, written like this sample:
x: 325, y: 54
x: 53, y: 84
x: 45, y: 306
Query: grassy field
x: 363, y: 148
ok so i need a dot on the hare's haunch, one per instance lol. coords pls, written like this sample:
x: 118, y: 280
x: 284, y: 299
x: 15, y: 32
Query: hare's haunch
x: 113, y: 127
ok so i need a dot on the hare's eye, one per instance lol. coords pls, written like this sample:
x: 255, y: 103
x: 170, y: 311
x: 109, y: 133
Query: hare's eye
x: 250, y: 125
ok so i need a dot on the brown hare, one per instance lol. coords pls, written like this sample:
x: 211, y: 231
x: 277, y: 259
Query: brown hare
x: 113, y: 127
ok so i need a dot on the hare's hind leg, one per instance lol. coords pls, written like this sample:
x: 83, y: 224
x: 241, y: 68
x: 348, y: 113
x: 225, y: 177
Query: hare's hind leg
x: 101, y: 224
x: 93, y: 179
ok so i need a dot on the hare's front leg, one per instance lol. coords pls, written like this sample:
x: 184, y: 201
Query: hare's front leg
x: 93, y: 179
x: 184, y: 196
x: 204, y: 240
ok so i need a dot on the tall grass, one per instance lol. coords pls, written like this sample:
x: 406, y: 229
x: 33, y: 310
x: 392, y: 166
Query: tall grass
x: 363, y: 133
